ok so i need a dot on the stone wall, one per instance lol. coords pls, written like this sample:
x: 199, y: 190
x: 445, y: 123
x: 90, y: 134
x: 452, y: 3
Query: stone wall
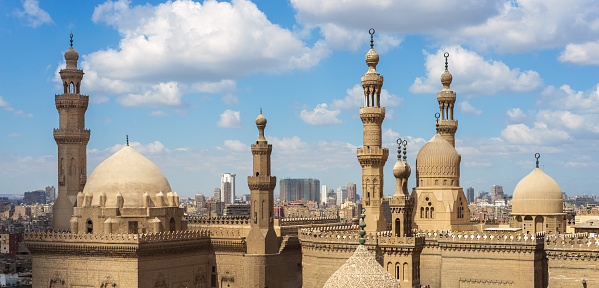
x: 572, y: 259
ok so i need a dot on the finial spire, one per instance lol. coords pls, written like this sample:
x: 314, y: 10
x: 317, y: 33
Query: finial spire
x: 362, y: 225
x: 71, y: 39
x: 405, y: 143
x: 437, y: 115
x: 127, y: 136
x: 537, y: 155
x: 371, y: 31
x: 260, y: 110
x: 446, y: 55
x: 399, y: 148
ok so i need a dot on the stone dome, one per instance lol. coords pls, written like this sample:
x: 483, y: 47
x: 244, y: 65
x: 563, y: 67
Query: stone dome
x: 261, y: 120
x: 438, y: 159
x: 362, y: 271
x: 401, y: 169
x: 71, y: 54
x: 446, y: 79
x: 129, y: 173
x: 537, y: 194
x: 372, y: 58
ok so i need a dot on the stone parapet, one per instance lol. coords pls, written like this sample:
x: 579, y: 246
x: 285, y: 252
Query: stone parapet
x: 219, y: 220
x: 66, y: 237
x: 482, y: 237
x: 571, y: 242
x: 306, y: 221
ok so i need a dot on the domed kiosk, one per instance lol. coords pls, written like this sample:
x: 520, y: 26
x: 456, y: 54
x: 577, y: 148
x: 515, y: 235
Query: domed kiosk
x: 127, y: 193
x: 537, y: 204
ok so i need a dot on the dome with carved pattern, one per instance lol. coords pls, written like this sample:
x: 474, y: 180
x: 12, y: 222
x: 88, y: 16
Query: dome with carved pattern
x: 438, y: 161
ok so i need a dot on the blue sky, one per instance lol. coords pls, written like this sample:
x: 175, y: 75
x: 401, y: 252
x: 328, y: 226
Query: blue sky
x: 186, y: 80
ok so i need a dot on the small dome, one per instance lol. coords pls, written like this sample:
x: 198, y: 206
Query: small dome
x: 446, y: 79
x: 362, y: 271
x: 71, y: 54
x: 399, y: 169
x: 261, y: 120
x: 372, y: 58
x: 537, y: 193
x: 129, y: 173
x: 438, y: 159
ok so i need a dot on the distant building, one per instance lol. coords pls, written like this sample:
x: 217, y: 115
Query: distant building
x: 200, y: 199
x: 497, y: 193
x: 299, y: 190
x: 331, y: 200
x: 323, y: 194
x: 351, y: 192
x: 33, y: 197
x: 237, y: 209
x: 470, y: 195
x: 341, y: 195
x: 217, y: 194
x: 50, y: 194
x: 227, y: 187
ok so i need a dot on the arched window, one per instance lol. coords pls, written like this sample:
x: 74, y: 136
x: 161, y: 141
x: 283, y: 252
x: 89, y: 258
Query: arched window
x: 71, y: 88
x: 405, y: 271
x: 432, y: 212
x: 171, y: 225
x: 397, y: 267
x: 426, y: 213
x: 421, y: 212
x: 89, y: 226
x: 397, y: 227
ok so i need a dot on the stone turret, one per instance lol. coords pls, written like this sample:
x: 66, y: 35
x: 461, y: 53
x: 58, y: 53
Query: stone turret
x: 401, y: 204
x: 446, y: 98
x: 71, y: 138
x: 372, y: 156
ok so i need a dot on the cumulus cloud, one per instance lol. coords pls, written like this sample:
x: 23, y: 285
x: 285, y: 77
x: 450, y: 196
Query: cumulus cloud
x: 472, y: 74
x: 321, y: 115
x: 584, y: 54
x: 236, y: 145
x: 354, y: 98
x: 33, y: 14
x: 230, y: 119
x: 159, y: 95
x: 7, y: 107
x: 539, y: 134
x: 467, y: 108
x: 515, y: 116
x: 217, y: 42
x: 566, y: 98
x: 230, y: 99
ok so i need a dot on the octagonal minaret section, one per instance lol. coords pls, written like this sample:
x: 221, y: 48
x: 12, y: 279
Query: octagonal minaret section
x: 372, y: 156
x: 71, y: 138
x: 446, y: 98
x: 262, y: 238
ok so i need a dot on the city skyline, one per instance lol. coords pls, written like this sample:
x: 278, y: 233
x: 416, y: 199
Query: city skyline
x: 525, y: 83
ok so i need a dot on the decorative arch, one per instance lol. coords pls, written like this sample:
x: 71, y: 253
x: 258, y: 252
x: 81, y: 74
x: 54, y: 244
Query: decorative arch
x: 89, y: 226
x: 172, y: 225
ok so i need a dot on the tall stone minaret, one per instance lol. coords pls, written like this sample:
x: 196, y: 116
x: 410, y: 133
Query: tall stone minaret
x: 372, y: 156
x: 71, y: 138
x: 447, y: 125
x: 262, y: 238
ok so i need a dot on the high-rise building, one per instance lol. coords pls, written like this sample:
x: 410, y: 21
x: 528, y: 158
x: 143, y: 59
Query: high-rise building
x: 217, y: 194
x: 71, y: 138
x: 33, y: 197
x: 341, y: 195
x: 227, y: 187
x: 497, y: 193
x: 351, y: 192
x: 470, y: 195
x: 200, y: 198
x: 50, y: 194
x: 299, y: 190
x: 323, y: 194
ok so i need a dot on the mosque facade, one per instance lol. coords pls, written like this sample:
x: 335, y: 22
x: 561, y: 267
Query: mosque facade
x: 123, y: 227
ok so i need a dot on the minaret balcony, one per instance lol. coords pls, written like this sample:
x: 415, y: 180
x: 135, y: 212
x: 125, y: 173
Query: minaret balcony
x: 71, y: 135
x: 70, y: 100
x: 262, y: 182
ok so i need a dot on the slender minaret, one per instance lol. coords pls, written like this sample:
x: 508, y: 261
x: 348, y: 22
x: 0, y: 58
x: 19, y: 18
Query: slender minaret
x: 372, y: 156
x: 262, y: 238
x: 71, y: 138
x: 447, y: 124
x: 401, y: 204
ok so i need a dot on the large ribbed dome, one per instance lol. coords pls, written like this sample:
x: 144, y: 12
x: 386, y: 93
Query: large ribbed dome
x: 537, y: 194
x: 129, y: 173
x: 438, y: 159
x: 362, y: 271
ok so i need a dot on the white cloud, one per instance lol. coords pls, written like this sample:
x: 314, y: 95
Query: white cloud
x: 321, y: 115
x: 584, y: 54
x: 472, y: 74
x: 568, y: 99
x: 230, y: 99
x: 569, y: 121
x: 354, y: 98
x: 6, y: 106
x: 389, y: 135
x: 539, y: 134
x: 515, y: 116
x: 340, y: 38
x: 217, y: 42
x: 155, y: 147
x: 158, y: 113
x: 33, y: 14
x: 237, y: 146
x: 467, y: 108
x: 230, y: 119
x: 159, y: 95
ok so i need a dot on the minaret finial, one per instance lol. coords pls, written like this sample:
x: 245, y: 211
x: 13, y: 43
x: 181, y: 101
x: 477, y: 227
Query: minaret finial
x: 437, y: 115
x: 405, y: 143
x: 260, y: 110
x: 446, y: 56
x: 537, y: 155
x: 127, y: 136
x: 362, y: 225
x: 71, y: 39
x: 371, y: 31
x: 399, y: 148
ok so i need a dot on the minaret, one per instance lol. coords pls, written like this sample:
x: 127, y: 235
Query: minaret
x: 71, y: 138
x: 262, y: 238
x: 401, y: 204
x: 372, y: 156
x: 447, y: 125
